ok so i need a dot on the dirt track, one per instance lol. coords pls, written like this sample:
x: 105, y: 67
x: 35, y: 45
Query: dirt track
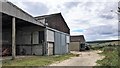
x: 87, y: 58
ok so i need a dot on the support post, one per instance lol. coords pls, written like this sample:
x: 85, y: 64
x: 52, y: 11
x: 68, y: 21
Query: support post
x: 45, y: 38
x: 13, y: 38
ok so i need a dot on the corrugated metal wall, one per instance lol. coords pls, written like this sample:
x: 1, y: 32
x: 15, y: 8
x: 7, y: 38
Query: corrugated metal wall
x: 61, y: 46
x: 57, y: 47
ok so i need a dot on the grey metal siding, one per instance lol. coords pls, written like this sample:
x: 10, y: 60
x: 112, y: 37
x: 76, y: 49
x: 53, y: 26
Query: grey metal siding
x: 50, y: 36
x: 67, y: 38
x: 57, y: 43
x: 63, y: 43
x: 61, y: 46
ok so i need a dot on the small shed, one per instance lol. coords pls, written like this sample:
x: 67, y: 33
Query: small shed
x: 76, y: 43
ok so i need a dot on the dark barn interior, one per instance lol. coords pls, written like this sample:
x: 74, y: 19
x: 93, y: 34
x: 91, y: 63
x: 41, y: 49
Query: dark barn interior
x: 26, y: 41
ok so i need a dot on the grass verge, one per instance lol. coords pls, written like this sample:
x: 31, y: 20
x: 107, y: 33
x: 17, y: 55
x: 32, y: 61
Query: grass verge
x: 36, y: 60
x: 111, y: 57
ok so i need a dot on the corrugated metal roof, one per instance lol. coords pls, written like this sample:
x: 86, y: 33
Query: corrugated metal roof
x: 12, y: 10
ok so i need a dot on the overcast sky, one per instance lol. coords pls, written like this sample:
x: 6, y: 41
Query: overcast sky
x: 93, y: 19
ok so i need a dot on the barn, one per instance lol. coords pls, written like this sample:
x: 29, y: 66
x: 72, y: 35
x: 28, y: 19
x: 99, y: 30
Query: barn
x: 76, y: 43
x: 23, y: 34
x: 20, y: 31
x: 57, y: 33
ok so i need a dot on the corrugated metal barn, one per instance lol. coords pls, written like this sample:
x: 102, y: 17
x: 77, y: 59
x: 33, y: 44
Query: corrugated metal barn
x: 75, y: 42
x: 20, y: 31
x: 58, y: 33
x: 23, y: 34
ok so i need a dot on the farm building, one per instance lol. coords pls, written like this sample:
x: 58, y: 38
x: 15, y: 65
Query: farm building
x: 22, y: 34
x: 76, y: 43
x: 58, y: 33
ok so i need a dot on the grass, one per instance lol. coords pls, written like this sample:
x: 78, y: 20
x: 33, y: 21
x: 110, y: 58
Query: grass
x: 36, y: 60
x: 111, y: 57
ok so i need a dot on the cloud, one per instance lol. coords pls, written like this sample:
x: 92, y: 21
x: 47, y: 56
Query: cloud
x: 102, y: 32
x: 106, y: 16
x: 71, y: 4
x: 78, y: 30
x: 93, y: 19
x: 36, y: 8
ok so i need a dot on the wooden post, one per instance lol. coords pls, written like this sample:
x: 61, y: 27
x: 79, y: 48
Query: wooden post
x: 13, y: 39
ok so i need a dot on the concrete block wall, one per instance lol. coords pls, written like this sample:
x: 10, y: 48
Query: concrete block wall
x: 74, y: 46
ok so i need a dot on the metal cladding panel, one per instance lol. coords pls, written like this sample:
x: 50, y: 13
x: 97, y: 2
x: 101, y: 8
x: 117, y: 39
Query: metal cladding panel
x: 63, y: 39
x: 57, y: 43
x: 50, y: 36
x: 63, y: 43
x: 67, y: 39
x: 36, y: 37
x: 60, y: 43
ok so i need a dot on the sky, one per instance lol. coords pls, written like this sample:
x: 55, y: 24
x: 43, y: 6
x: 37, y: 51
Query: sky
x: 91, y: 18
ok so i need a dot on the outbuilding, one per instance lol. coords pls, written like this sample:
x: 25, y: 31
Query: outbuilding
x: 23, y: 34
x: 57, y: 33
x: 77, y: 43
